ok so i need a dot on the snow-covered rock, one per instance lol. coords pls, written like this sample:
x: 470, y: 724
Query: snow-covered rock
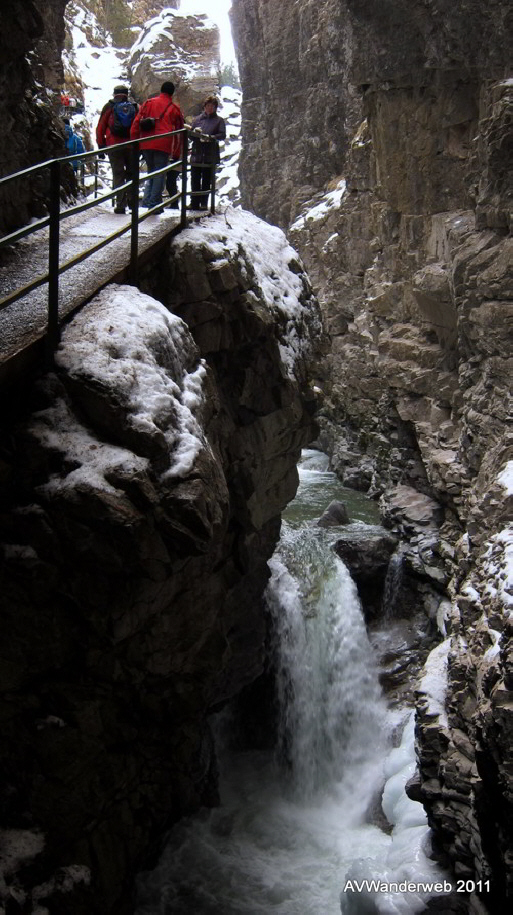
x: 177, y: 47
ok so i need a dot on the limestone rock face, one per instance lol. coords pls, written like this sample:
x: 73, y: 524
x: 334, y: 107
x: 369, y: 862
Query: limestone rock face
x: 183, y: 49
x: 494, y: 202
x: 31, y: 41
x: 292, y: 62
x: 144, y: 10
x: 144, y: 492
x: 412, y: 264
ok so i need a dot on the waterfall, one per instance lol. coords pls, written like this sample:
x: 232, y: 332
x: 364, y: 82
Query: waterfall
x: 292, y: 822
x: 294, y: 826
x: 330, y: 703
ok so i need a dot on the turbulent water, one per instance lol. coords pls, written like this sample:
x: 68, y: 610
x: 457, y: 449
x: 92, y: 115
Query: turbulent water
x: 292, y: 822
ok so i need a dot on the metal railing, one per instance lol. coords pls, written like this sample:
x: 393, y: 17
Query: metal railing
x: 56, y: 216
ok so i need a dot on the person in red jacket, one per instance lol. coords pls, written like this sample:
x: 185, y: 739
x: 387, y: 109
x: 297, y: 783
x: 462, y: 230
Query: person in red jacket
x: 156, y: 149
x: 110, y: 131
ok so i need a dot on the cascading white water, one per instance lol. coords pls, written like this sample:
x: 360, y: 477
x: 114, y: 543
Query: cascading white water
x: 286, y: 834
x: 330, y: 701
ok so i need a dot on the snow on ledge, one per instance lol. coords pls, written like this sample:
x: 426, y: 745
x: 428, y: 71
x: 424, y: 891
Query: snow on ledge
x: 498, y: 569
x: 433, y: 684
x: 329, y: 202
x: 238, y: 235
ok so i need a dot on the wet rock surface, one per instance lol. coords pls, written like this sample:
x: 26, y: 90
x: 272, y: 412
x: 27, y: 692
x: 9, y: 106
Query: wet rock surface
x: 367, y: 553
x: 335, y: 514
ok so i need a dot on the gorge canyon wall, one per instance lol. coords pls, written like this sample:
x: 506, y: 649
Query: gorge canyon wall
x: 380, y: 135
x: 141, y: 494
x: 31, y: 77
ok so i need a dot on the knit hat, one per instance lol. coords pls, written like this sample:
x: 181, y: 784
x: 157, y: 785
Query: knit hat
x: 120, y: 90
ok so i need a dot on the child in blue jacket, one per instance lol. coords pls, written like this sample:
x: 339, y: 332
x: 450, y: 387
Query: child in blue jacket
x: 74, y: 144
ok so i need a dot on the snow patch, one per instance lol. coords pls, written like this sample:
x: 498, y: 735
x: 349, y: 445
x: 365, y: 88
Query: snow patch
x: 505, y: 478
x: 493, y: 651
x: 328, y: 203
x: 433, y: 684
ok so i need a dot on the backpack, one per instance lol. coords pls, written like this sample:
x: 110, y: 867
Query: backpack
x: 121, y: 118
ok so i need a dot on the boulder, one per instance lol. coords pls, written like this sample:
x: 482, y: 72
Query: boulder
x: 366, y: 551
x: 335, y: 514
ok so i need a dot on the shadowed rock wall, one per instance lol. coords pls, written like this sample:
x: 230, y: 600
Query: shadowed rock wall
x: 31, y: 41
x: 131, y: 589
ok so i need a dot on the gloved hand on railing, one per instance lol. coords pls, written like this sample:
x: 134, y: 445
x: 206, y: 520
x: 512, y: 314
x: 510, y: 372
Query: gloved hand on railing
x: 101, y: 155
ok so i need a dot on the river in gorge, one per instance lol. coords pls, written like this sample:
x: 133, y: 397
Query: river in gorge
x: 297, y: 822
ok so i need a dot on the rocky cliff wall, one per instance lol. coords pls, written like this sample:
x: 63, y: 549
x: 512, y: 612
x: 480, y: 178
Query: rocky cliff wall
x: 184, y: 49
x: 298, y: 102
x: 31, y: 41
x: 408, y: 243
x: 141, y: 500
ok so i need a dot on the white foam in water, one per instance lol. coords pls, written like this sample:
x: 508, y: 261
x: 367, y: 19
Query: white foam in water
x: 286, y: 836
x: 314, y: 460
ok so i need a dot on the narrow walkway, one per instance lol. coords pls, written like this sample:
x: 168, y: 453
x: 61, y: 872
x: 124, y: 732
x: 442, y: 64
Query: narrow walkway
x: 24, y: 321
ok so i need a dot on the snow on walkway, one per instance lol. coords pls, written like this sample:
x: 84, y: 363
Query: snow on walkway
x: 24, y: 321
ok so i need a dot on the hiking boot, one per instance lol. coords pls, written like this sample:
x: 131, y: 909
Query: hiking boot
x: 120, y: 210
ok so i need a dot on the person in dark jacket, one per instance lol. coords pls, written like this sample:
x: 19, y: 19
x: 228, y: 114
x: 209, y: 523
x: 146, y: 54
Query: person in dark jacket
x: 204, y: 152
x: 156, y: 149
x: 107, y: 138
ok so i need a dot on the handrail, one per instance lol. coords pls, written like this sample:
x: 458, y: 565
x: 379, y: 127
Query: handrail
x: 55, y: 217
x: 93, y: 153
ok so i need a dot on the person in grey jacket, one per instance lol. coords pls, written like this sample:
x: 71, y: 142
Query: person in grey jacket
x: 204, y: 152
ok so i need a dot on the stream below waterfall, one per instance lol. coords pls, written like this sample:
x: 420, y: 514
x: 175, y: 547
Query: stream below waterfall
x: 294, y: 823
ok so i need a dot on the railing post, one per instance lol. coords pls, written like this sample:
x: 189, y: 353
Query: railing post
x: 95, y: 177
x: 53, y: 260
x: 213, y: 180
x: 185, y: 156
x: 134, y: 204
